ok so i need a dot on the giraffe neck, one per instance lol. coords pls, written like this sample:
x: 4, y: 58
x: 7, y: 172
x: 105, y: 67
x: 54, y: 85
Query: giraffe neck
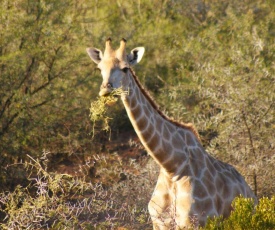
x: 165, y: 140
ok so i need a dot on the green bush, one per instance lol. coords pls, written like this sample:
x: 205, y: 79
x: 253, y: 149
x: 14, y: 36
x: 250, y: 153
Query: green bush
x: 247, y: 217
x: 225, y: 84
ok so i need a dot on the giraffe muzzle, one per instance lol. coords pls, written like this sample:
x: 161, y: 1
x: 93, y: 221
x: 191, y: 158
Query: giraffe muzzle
x: 105, y: 89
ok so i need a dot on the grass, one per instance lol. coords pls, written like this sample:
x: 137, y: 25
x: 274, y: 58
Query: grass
x: 60, y: 201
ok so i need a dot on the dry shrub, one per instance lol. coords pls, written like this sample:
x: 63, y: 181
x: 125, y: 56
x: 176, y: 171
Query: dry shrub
x: 61, y: 201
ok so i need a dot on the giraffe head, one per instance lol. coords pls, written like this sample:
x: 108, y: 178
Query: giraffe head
x: 114, y: 65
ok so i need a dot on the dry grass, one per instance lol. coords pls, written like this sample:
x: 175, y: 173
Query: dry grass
x: 61, y: 201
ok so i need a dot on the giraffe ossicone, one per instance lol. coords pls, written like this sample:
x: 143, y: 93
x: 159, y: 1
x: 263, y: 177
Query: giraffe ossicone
x: 192, y: 185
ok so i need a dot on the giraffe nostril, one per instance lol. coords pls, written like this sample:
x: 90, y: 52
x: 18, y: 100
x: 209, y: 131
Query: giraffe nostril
x: 108, y: 85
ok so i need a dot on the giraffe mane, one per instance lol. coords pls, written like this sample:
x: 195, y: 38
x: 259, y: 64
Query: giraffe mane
x: 189, y: 126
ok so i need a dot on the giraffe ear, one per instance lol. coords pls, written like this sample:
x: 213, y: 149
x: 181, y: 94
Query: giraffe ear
x: 95, y: 54
x: 136, y: 55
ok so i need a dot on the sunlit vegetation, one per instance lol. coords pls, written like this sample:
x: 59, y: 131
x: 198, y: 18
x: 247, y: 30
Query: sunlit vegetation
x: 209, y: 62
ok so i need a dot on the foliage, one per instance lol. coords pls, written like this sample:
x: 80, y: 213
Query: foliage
x: 47, y: 207
x: 244, y: 216
x: 225, y: 85
x: 98, y: 109
x: 42, y: 54
x: 207, y: 62
x: 60, y: 201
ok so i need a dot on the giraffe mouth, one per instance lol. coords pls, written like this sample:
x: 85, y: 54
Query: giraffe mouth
x: 110, y: 100
x: 111, y: 95
x: 108, y: 96
x: 105, y: 92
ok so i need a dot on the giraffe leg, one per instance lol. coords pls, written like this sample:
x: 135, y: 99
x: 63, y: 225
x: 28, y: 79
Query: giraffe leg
x: 182, y: 202
x: 159, y: 205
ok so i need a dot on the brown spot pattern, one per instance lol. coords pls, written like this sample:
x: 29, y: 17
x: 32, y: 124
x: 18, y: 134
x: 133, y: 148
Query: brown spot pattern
x: 199, y: 190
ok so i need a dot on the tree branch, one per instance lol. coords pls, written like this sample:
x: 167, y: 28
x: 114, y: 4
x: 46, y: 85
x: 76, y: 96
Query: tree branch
x: 7, y: 125
x: 248, y: 129
x: 6, y: 105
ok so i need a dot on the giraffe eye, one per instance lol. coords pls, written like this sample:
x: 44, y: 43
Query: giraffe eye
x: 125, y: 69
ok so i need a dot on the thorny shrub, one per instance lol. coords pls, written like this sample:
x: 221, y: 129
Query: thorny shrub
x: 60, y: 201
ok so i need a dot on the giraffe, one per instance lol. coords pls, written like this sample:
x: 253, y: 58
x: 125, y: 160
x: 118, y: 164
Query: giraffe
x: 192, y: 185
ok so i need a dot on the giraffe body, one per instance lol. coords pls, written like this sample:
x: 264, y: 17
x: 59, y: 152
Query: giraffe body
x: 192, y: 185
